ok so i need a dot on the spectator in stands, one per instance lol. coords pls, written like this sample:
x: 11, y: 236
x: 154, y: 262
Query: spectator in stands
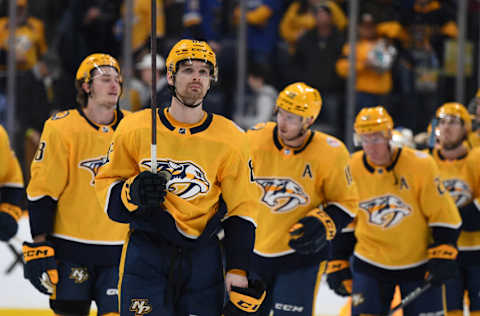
x: 260, y: 100
x: 314, y: 60
x: 374, y: 59
x: 474, y: 110
x: 141, y: 85
x: 30, y: 44
x: 300, y: 18
x: 87, y: 27
x: 440, y: 16
x: 421, y: 98
x: 30, y: 48
x: 263, y: 18
x: 97, y: 18
x: 141, y: 31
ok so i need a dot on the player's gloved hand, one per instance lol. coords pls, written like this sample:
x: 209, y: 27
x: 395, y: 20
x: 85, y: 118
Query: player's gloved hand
x: 442, y: 263
x: 146, y: 189
x: 339, y: 277
x: 9, y: 215
x: 40, y: 266
x: 311, y: 233
x: 245, y: 301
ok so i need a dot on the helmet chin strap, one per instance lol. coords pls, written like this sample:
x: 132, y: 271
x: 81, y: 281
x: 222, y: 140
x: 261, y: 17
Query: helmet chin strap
x: 173, y: 92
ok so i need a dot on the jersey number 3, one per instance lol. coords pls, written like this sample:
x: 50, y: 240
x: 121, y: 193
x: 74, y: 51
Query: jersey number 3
x: 40, y: 151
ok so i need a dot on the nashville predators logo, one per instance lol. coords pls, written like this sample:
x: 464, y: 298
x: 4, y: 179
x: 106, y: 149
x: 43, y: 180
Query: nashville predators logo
x: 187, y: 181
x: 93, y: 165
x: 386, y: 211
x: 357, y: 299
x: 459, y: 191
x: 79, y: 275
x: 282, y: 195
x: 140, y: 307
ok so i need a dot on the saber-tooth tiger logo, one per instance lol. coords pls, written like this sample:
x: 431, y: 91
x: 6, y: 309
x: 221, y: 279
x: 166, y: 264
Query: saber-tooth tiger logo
x: 140, y: 306
x: 93, y: 165
x: 386, y: 211
x: 459, y: 191
x: 282, y: 195
x: 187, y: 181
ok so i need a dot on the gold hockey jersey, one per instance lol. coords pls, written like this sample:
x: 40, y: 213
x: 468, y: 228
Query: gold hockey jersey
x: 11, y: 179
x: 461, y: 178
x: 205, y: 159
x: 473, y: 139
x: 293, y: 181
x: 398, y: 204
x: 71, y: 151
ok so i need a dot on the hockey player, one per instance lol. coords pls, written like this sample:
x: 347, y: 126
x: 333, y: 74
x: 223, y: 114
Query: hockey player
x: 12, y: 192
x: 76, y: 248
x: 460, y: 174
x: 406, y: 228
x: 171, y: 264
x: 307, y: 195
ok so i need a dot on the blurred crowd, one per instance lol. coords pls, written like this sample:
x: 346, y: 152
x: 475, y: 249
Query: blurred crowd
x: 405, y: 55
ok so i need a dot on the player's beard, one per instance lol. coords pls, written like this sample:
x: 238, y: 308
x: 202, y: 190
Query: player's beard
x: 452, y: 145
x: 191, y: 98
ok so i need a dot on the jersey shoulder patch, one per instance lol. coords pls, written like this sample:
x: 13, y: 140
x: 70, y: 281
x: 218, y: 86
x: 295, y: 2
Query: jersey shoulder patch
x: 333, y: 142
x: 60, y: 115
x: 421, y: 154
x: 259, y: 126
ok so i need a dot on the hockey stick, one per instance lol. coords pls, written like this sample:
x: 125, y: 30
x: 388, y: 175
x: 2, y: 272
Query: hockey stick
x: 18, y: 255
x: 153, y: 55
x: 410, y: 297
x: 18, y: 258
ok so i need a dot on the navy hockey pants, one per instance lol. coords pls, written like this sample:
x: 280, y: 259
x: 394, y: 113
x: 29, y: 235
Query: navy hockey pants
x: 160, y: 279
x: 292, y: 293
x: 373, y: 296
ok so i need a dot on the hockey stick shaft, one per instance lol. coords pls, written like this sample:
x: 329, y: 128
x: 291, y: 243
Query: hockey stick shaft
x: 410, y: 297
x: 153, y: 54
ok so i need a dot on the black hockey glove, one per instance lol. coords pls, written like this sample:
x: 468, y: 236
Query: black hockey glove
x: 9, y: 215
x: 339, y: 277
x: 311, y: 233
x: 442, y: 263
x: 245, y: 301
x: 147, y: 189
x: 40, y: 266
